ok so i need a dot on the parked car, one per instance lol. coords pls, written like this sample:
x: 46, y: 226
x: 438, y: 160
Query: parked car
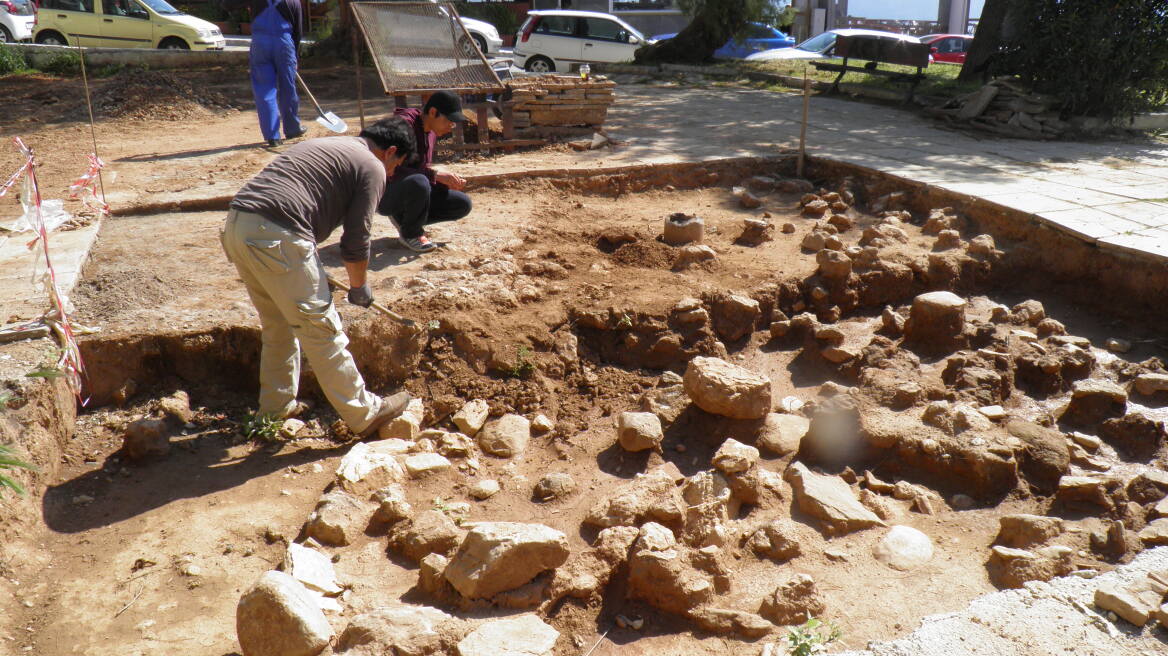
x: 822, y: 46
x: 554, y: 41
x: 758, y: 37
x: 484, y: 35
x: 16, y: 20
x: 949, y: 48
x: 123, y: 24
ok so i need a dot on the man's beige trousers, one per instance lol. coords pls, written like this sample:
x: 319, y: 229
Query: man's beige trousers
x: 289, y: 288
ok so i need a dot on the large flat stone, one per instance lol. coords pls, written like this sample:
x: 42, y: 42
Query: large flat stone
x: 498, y: 556
x: 526, y: 635
x: 830, y: 500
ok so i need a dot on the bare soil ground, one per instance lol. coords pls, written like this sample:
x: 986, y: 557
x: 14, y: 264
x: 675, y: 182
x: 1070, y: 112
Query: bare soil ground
x: 152, y: 557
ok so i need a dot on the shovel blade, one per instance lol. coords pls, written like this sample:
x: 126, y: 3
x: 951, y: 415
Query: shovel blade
x: 332, y: 122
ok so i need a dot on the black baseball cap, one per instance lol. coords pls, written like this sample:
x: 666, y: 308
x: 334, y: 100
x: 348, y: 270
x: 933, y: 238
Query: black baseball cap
x: 448, y: 104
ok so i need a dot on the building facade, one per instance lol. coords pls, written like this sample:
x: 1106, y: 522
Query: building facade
x: 649, y: 16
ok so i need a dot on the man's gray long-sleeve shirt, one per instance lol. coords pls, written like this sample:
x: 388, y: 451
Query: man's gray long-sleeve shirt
x: 318, y: 185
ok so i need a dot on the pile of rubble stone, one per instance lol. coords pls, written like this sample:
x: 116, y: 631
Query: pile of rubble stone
x: 1007, y: 108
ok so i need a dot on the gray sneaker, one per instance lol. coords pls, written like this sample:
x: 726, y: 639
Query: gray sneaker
x: 419, y: 244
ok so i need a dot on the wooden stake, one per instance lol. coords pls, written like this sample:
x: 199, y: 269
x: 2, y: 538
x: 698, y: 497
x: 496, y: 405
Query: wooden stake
x: 357, y: 68
x: 89, y: 106
x: 803, y: 128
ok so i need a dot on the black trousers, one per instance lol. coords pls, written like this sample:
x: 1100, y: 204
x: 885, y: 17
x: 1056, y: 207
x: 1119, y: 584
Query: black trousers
x: 413, y: 203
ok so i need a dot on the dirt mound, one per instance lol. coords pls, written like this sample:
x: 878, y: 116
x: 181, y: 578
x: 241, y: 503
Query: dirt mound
x: 155, y: 95
x: 648, y: 254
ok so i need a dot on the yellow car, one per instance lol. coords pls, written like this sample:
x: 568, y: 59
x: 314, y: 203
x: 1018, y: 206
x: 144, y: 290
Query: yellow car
x: 123, y: 24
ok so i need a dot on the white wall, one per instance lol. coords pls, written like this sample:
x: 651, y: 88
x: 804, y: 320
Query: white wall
x: 904, y: 9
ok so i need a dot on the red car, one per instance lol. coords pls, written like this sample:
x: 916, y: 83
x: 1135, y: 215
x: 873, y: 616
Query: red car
x: 949, y: 48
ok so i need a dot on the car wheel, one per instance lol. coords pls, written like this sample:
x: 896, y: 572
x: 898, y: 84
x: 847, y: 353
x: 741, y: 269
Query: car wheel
x: 540, y: 64
x: 51, y: 39
x: 466, y: 47
x: 173, y: 43
x: 5, y: 35
x: 480, y: 42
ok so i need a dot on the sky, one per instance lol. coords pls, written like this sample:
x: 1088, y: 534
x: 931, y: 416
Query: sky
x: 904, y: 9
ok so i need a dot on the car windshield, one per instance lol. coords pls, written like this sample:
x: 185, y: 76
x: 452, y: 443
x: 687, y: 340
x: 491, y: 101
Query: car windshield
x: 756, y: 31
x: 818, y: 43
x: 161, y: 7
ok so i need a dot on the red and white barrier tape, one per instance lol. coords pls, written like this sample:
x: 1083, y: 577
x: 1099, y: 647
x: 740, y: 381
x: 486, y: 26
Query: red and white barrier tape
x: 57, y: 318
x: 88, y: 180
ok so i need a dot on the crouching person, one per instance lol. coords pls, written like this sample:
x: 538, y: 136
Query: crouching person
x: 418, y: 194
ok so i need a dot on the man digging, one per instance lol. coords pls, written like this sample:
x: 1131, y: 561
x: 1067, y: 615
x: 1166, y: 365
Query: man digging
x: 271, y: 234
x: 417, y: 194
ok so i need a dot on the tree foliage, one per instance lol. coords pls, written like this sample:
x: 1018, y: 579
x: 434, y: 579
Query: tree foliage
x: 1106, y: 58
x: 714, y: 23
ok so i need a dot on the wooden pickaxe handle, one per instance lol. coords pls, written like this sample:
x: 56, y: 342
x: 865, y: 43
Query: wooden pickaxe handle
x: 409, y: 323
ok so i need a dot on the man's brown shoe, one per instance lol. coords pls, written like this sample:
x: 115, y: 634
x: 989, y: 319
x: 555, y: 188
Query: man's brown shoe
x: 391, y: 408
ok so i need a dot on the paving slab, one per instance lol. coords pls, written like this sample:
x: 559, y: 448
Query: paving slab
x: 1058, y: 617
x: 22, y: 299
x: 1090, y: 224
x: 1151, y: 240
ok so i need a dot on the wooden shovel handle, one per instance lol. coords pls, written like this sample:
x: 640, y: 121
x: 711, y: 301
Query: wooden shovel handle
x: 376, y: 306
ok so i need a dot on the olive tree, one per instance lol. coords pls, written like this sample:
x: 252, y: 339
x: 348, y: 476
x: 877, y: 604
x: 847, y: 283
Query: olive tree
x: 1105, y: 59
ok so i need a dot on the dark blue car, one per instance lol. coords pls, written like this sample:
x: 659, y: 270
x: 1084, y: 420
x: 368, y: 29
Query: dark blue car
x: 759, y: 37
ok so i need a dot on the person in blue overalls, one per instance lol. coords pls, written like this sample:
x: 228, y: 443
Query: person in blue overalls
x: 276, y: 27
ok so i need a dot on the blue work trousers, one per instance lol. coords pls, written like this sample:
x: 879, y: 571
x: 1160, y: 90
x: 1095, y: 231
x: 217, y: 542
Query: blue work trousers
x: 273, y: 81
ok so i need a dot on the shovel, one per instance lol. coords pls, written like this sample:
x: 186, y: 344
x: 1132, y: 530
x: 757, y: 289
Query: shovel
x: 408, y: 323
x: 327, y: 119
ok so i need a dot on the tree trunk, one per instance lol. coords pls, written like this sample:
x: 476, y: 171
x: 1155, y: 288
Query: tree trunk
x: 340, y: 42
x: 986, y: 41
x: 718, y: 21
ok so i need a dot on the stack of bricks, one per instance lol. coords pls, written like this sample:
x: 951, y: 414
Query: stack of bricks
x: 561, y: 101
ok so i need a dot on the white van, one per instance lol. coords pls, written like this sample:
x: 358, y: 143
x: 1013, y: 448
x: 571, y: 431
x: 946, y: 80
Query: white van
x: 558, y: 41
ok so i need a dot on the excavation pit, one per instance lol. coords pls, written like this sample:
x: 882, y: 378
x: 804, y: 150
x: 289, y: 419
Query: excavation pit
x: 560, y: 297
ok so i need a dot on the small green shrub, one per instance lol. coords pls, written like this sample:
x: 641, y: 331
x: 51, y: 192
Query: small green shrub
x: 46, y: 371
x: 812, y: 637
x: 11, y: 60
x: 523, y: 366
x: 9, y: 461
x: 265, y: 428
x: 63, y: 64
x: 109, y: 70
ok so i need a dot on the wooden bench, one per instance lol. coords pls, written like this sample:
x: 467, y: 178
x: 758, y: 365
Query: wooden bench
x: 878, y: 50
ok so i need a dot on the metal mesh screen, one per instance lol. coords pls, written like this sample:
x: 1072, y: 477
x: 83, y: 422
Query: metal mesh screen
x: 421, y: 46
